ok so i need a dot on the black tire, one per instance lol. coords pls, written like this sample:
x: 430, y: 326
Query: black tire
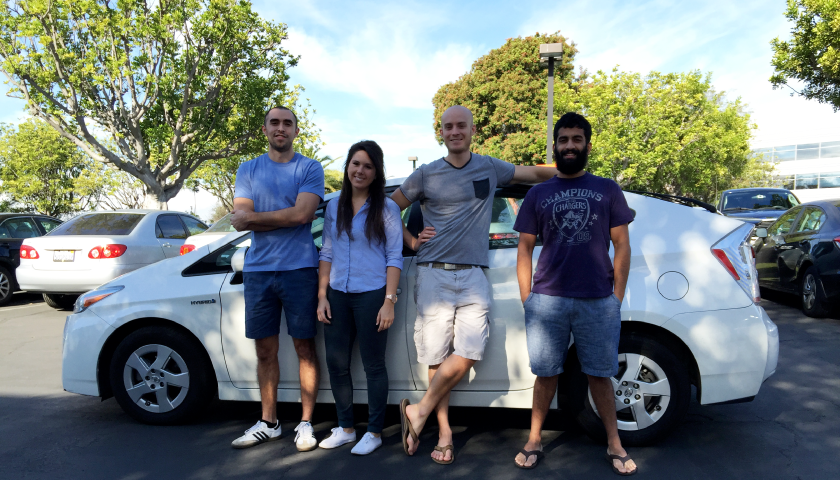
x: 7, y: 286
x: 811, y: 294
x: 187, y: 396
x: 60, y: 301
x: 658, y: 361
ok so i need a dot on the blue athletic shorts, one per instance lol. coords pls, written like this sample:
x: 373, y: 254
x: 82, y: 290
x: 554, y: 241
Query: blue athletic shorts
x: 269, y: 294
x: 594, y: 322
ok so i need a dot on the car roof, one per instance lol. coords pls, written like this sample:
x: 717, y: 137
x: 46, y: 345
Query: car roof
x: 758, y: 189
x: 5, y: 215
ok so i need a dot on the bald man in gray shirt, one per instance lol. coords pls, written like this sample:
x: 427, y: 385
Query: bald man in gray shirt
x: 456, y: 197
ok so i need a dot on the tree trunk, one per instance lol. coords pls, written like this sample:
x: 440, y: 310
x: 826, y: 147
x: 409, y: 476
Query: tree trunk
x: 153, y: 203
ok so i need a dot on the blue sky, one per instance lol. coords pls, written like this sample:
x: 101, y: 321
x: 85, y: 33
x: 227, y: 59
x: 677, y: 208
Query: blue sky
x: 370, y: 68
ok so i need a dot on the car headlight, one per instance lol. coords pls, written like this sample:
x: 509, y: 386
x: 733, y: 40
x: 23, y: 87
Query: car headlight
x: 94, y: 296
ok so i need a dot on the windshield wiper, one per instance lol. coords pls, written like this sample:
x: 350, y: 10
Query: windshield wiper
x: 737, y: 208
x: 690, y: 202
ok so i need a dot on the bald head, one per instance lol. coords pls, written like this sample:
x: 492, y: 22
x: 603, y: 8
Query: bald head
x: 457, y: 113
x: 457, y: 129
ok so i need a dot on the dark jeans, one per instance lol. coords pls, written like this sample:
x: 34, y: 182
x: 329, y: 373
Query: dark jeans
x: 354, y: 314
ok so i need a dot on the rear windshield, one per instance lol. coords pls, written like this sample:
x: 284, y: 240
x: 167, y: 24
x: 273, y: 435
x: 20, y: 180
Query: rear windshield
x: 99, y: 224
x: 770, y: 200
x: 222, y: 225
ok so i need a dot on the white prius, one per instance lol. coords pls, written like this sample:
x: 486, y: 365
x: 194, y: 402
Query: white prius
x: 167, y: 339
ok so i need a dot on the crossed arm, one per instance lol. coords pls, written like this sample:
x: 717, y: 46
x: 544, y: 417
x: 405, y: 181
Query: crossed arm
x: 245, y: 218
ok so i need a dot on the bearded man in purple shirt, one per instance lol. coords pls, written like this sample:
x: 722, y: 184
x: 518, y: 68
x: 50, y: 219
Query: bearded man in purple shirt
x: 576, y: 289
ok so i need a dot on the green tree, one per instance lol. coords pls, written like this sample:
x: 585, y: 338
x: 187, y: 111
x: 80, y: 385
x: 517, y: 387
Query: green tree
x: 670, y: 133
x: 812, y: 55
x: 154, y: 87
x: 45, y: 172
x: 506, y: 91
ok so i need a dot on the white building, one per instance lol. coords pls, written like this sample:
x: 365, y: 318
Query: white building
x: 810, y: 170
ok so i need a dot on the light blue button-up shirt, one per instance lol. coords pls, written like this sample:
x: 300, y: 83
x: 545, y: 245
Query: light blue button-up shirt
x: 361, y: 265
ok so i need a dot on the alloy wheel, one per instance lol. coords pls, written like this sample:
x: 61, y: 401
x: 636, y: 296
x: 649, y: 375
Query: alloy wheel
x: 156, y: 378
x: 641, y: 392
x: 5, y: 285
x: 809, y: 291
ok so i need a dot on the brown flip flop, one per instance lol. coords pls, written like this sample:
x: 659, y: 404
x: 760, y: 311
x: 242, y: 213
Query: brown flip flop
x: 528, y: 454
x: 443, y: 450
x: 623, y: 461
x: 405, y: 424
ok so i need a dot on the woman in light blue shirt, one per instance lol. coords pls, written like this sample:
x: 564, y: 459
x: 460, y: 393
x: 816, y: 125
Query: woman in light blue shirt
x: 358, y: 273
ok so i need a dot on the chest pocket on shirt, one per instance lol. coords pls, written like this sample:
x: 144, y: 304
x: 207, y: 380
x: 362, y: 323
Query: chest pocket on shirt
x: 482, y: 188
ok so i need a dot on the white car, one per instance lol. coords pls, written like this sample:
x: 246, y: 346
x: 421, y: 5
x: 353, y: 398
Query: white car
x: 93, y: 248
x: 166, y: 340
x: 216, y: 231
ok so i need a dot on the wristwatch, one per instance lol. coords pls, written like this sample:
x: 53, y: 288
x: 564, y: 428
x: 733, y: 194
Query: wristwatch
x: 392, y: 298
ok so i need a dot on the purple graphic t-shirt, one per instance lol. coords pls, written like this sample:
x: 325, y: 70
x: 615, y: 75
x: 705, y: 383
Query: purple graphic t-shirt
x: 573, y: 217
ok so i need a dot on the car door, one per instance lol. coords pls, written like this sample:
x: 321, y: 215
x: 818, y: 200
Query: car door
x: 170, y: 233
x: 241, y: 358
x: 770, y: 269
x: 798, y: 244
x: 505, y: 365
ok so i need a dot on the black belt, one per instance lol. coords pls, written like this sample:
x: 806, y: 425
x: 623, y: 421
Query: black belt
x: 447, y: 266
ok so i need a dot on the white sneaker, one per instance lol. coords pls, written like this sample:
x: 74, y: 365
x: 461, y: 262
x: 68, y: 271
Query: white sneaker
x: 305, y: 437
x: 367, y: 444
x: 259, y: 433
x: 337, y: 438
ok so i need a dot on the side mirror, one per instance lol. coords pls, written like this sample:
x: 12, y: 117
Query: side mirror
x: 761, y: 232
x: 237, y: 261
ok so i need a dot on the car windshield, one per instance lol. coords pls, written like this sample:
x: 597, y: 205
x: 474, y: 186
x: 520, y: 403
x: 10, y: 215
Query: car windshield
x: 759, y: 200
x: 99, y: 224
x: 222, y: 225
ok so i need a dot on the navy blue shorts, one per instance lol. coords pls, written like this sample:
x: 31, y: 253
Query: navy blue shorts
x: 269, y: 294
x: 594, y: 322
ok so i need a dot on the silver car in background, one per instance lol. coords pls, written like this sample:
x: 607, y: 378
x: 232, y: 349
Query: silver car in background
x: 216, y: 231
x: 96, y: 247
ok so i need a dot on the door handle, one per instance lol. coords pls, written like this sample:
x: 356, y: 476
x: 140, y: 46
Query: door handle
x: 399, y: 291
x: 166, y: 245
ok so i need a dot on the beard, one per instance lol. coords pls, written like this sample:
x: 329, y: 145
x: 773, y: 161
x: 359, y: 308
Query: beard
x: 570, y: 166
x: 281, y: 146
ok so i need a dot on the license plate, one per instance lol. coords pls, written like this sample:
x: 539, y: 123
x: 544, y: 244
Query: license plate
x: 64, y: 255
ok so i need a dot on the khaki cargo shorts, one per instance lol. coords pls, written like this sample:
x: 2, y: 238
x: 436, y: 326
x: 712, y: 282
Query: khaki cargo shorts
x: 452, y: 312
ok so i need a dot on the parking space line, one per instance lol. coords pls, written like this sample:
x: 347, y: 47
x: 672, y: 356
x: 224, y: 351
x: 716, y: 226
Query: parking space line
x: 20, y: 307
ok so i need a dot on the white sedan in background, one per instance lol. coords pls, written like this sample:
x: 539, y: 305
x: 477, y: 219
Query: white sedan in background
x: 167, y: 339
x: 93, y: 248
x: 216, y: 231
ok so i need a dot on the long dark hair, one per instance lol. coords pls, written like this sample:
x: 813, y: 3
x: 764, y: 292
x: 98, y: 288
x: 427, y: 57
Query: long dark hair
x: 375, y: 223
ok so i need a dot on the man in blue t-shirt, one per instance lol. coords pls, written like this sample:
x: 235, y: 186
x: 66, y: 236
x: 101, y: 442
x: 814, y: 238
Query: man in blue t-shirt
x: 276, y: 197
x: 576, y: 290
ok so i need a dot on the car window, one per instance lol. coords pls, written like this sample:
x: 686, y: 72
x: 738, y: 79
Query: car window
x: 168, y: 226
x: 193, y: 226
x: 222, y: 225
x: 502, y: 218
x: 21, y: 227
x: 99, y: 224
x: 218, y: 261
x: 760, y: 200
x: 784, y: 223
x: 812, y: 220
x: 318, y: 227
x: 48, y: 224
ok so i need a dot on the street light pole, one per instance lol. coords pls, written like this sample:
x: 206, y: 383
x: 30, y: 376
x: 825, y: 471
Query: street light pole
x: 550, y: 51
x: 413, y: 161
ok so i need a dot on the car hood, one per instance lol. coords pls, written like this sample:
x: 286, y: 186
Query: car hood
x: 755, y: 216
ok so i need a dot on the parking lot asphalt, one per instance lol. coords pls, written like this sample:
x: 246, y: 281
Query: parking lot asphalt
x: 790, y: 431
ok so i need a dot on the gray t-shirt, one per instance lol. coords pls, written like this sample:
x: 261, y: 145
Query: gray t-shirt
x: 458, y: 203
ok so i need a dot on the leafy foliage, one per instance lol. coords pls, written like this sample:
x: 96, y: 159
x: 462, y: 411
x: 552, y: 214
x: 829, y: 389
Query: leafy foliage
x: 812, y: 55
x: 43, y: 172
x: 670, y: 133
x: 154, y: 87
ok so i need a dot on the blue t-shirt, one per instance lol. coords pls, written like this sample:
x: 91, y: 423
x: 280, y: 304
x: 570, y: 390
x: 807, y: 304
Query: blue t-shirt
x: 573, y: 218
x: 274, y: 186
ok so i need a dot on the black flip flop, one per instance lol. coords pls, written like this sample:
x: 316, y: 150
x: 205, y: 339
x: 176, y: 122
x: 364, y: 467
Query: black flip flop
x: 623, y: 461
x: 529, y: 453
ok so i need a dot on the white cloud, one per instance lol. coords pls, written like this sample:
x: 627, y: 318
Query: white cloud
x: 383, y: 59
